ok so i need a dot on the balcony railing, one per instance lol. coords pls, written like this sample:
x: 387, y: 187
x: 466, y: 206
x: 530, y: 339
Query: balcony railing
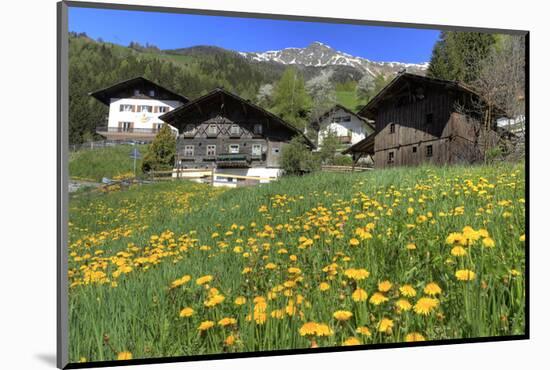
x: 130, y: 130
x: 344, y: 139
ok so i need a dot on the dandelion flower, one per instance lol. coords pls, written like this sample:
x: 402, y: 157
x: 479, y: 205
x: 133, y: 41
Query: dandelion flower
x: 385, y: 325
x: 432, y: 289
x: 187, y: 312
x: 414, y: 337
x: 323, y: 330
x: 324, y: 286
x: 204, y: 279
x: 458, y: 251
x: 465, y: 275
x: 488, y: 242
x: 239, y: 301
x: 351, y: 342
x: 425, y: 305
x: 205, y: 325
x: 309, y: 328
x: 411, y: 246
x: 522, y: 238
x: 363, y: 330
x: 403, y: 304
x: 125, y: 355
x: 456, y: 239
x: 384, y: 286
x: 226, y: 321
x: 378, y: 298
x: 342, y: 315
x: 354, y: 242
x: 229, y: 341
x: 359, y: 295
x: 407, y: 290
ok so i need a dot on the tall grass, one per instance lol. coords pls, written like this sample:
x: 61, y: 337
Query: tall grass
x: 95, y: 164
x: 129, y: 247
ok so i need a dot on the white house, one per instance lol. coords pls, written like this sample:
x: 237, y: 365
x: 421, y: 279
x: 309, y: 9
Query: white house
x: 135, y: 106
x: 348, y: 127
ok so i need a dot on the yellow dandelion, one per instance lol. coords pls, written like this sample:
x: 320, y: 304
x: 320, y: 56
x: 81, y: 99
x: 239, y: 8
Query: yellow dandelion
x: 226, y: 321
x: 407, y: 290
x: 465, y: 275
x: 125, y: 355
x: 229, y: 341
x: 342, y: 315
x: 384, y: 286
x: 385, y: 325
x: 323, y: 330
x: 309, y: 328
x: 324, y: 286
x: 351, y: 342
x: 239, y: 301
x: 363, y: 330
x: 522, y: 238
x: 205, y: 325
x: 488, y: 242
x: 414, y: 337
x: 378, y: 298
x: 403, y: 304
x: 359, y: 295
x: 458, y: 251
x: 204, y: 279
x: 411, y: 246
x: 425, y: 305
x: 354, y: 242
x: 456, y: 238
x: 432, y: 289
x: 187, y: 312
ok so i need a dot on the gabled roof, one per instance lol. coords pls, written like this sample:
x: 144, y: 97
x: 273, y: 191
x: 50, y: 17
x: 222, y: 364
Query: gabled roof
x: 105, y: 95
x: 372, y: 105
x: 171, y: 116
x: 339, y: 106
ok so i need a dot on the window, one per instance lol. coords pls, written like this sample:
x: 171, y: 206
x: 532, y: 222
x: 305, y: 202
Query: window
x: 163, y: 109
x: 235, y: 130
x: 137, y: 92
x: 390, y: 157
x: 211, y: 150
x: 125, y: 126
x: 392, y: 128
x: 275, y: 150
x: 145, y: 108
x: 190, y: 130
x: 414, y: 149
x: 256, y: 149
x: 189, y: 151
x: 126, y: 107
x: 258, y: 129
x: 429, y: 151
x: 234, y: 148
x: 346, y: 119
x: 429, y: 118
x: 212, y: 130
x: 151, y: 92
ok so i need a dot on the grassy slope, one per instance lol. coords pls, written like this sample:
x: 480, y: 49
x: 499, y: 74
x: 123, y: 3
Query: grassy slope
x: 95, y: 164
x: 141, y: 313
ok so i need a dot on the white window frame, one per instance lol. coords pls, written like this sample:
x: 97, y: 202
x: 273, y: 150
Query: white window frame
x: 163, y: 109
x: 126, y: 126
x: 140, y: 108
x: 189, y: 149
x: 231, y: 148
x: 235, y: 130
x: 256, y: 149
x: 209, y: 148
x: 126, y: 107
x: 209, y: 130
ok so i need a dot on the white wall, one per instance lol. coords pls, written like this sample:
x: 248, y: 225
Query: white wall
x: 359, y: 130
x: 140, y: 119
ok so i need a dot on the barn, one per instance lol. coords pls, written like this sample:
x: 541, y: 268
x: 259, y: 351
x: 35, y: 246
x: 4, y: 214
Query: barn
x: 419, y: 119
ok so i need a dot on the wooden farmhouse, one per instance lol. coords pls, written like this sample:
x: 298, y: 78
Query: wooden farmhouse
x: 223, y: 131
x: 424, y: 120
x: 348, y: 127
x: 135, y: 106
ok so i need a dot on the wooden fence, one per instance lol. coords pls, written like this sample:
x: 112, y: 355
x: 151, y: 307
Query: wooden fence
x: 345, y: 169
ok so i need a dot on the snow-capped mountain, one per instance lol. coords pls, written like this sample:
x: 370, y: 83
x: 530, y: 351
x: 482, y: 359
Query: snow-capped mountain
x: 318, y: 54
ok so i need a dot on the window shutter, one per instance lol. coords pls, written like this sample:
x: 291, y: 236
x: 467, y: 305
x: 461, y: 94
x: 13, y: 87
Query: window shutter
x: 155, y: 109
x: 133, y: 108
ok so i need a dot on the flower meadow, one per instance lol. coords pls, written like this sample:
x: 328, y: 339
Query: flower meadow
x: 398, y: 255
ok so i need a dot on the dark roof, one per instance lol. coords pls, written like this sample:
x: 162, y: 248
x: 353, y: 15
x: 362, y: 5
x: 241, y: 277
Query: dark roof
x: 368, y: 110
x: 364, y: 146
x: 172, y: 115
x: 339, y: 106
x: 104, y: 95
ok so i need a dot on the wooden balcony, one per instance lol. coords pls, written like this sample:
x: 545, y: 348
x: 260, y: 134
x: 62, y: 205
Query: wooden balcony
x: 344, y: 139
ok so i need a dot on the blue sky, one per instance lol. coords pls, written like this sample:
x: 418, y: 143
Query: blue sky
x: 170, y: 31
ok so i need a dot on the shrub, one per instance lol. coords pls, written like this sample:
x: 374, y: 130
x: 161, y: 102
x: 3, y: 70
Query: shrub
x: 161, y: 153
x: 297, y: 158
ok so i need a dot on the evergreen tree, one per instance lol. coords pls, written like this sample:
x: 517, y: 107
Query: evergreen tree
x: 162, y: 151
x: 459, y: 55
x: 290, y: 100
